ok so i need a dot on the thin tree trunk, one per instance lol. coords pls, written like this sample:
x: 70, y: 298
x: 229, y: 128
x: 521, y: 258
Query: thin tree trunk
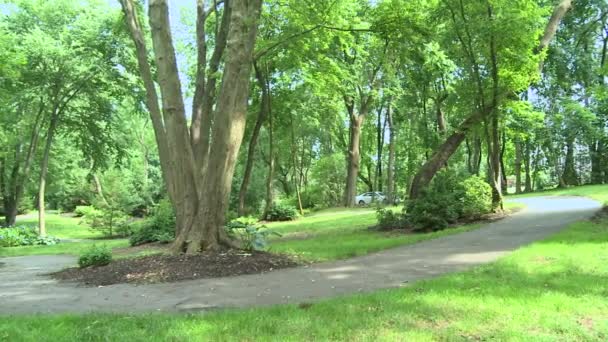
x: 379, y: 145
x: 390, y: 181
x: 254, y: 139
x: 503, y: 173
x: 271, y: 164
x: 527, y: 161
x: 517, y: 166
x: 293, y: 156
x: 43, y: 171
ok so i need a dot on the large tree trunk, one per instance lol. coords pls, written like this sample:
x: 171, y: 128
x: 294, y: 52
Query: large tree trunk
x: 354, y: 159
x: 198, y: 178
x: 569, y: 176
x: 443, y: 153
x: 595, y: 150
x: 12, y: 191
x: 254, y: 139
x: 227, y: 134
x: 43, y: 171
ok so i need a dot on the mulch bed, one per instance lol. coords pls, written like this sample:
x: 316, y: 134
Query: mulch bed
x: 171, y: 268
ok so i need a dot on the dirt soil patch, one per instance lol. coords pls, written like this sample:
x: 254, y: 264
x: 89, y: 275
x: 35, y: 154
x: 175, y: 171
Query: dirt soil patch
x: 172, y: 268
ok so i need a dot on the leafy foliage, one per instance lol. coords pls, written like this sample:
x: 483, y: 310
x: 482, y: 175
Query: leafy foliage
x: 282, y: 212
x: 388, y: 219
x: 476, y: 198
x: 24, y: 236
x: 250, y: 235
x: 447, y: 200
x: 159, y: 228
x: 95, y: 256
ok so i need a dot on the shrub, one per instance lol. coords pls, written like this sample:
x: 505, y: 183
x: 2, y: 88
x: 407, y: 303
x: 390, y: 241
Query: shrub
x: 158, y: 228
x: 110, y: 221
x: 437, y: 206
x: 85, y: 210
x: 448, y: 199
x: 95, y: 256
x: 24, y: 236
x: 282, y: 212
x: 388, y: 219
x: 476, y: 198
x: 251, y: 236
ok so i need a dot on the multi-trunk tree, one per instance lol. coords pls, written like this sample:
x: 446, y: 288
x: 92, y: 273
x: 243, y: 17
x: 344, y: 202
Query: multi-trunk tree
x: 198, y: 160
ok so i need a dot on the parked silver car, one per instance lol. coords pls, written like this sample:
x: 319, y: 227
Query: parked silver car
x: 371, y: 197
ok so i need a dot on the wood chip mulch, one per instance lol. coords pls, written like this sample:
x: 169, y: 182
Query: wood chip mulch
x: 172, y: 268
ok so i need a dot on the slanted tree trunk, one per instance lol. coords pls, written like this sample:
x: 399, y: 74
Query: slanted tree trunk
x: 527, y: 162
x: 261, y: 78
x: 443, y: 153
x: 426, y: 173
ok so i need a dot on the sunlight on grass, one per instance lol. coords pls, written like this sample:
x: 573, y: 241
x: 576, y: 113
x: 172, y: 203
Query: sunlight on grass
x: 63, y: 227
x: 74, y: 248
x: 597, y: 192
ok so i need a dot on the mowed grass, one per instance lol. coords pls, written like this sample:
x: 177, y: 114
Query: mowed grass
x: 338, y: 234
x: 63, y: 227
x: 322, y: 236
x: 73, y: 248
x: 553, y: 290
x: 597, y: 192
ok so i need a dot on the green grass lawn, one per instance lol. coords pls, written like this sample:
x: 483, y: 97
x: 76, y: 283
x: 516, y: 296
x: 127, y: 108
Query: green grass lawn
x: 74, y: 248
x: 598, y: 192
x: 322, y: 236
x: 339, y: 234
x: 552, y: 290
x: 63, y: 227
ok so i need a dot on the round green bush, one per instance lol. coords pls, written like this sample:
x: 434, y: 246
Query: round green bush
x: 449, y: 199
x: 282, y: 212
x: 95, y: 256
x: 476, y: 198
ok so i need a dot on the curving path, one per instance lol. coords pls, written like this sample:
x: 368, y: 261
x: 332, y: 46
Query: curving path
x: 24, y: 288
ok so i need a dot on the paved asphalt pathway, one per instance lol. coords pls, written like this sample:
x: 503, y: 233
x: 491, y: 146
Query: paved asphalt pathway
x: 25, y: 289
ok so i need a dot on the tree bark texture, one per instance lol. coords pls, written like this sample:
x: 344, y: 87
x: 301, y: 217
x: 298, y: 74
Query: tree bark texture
x: 198, y: 177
